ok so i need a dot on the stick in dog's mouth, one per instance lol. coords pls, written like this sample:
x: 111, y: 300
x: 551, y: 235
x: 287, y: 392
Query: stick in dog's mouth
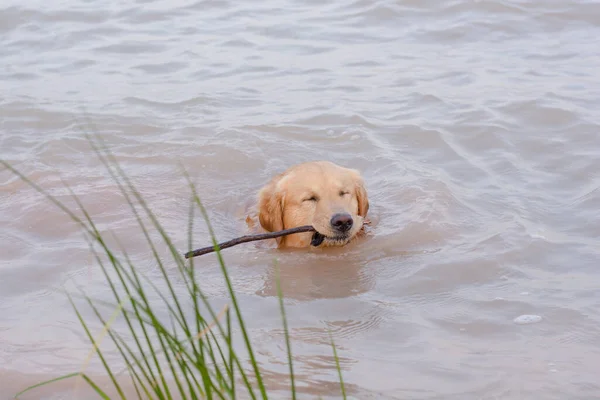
x: 317, y: 239
x: 252, y: 238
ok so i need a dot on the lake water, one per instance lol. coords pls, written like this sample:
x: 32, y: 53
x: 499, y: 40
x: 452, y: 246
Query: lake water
x: 476, y: 126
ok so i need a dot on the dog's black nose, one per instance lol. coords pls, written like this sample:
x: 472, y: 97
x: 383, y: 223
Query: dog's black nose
x: 342, y: 222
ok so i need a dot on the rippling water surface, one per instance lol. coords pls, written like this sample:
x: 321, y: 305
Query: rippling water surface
x: 474, y: 123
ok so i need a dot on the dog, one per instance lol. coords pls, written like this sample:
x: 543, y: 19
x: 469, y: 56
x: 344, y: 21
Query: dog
x: 331, y: 198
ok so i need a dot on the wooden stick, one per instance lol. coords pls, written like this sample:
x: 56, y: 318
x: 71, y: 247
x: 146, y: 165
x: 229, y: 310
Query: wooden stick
x: 249, y: 238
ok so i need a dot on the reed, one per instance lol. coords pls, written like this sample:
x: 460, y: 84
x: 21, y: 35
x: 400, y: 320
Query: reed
x: 189, y: 354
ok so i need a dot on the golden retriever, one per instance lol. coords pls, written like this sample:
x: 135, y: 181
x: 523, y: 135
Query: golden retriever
x: 331, y: 198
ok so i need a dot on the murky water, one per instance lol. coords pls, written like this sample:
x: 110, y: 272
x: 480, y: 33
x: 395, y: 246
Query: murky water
x: 476, y: 127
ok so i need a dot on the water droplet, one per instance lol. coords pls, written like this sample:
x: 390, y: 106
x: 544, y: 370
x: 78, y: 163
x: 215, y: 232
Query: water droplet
x: 527, y: 319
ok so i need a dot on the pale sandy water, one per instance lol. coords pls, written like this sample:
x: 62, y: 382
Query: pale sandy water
x: 475, y: 124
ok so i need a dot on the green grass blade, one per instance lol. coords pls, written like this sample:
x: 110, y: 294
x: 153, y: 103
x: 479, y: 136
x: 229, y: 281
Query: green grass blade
x: 121, y: 272
x: 232, y: 295
x: 338, y: 367
x: 45, y: 383
x: 95, y: 387
x: 117, y: 267
x: 117, y: 177
x: 286, y: 331
x: 222, y: 357
x: 98, y: 351
x: 135, y: 384
x: 229, y: 339
x: 121, y: 347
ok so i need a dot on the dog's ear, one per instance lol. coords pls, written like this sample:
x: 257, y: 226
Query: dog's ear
x: 270, y: 207
x: 361, y: 195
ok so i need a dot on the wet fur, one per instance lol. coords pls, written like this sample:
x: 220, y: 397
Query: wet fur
x: 310, y: 194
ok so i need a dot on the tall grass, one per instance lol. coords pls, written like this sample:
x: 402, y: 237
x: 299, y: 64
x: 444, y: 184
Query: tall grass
x: 189, y: 354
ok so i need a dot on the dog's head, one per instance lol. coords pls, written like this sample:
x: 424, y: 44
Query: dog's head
x: 331, y: 198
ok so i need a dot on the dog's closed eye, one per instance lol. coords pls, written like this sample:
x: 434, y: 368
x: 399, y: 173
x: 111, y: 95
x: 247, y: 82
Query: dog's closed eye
x: 311, y: 198
x: 343, y: 193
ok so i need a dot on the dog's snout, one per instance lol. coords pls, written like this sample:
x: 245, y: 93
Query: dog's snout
x: 342, y: 222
